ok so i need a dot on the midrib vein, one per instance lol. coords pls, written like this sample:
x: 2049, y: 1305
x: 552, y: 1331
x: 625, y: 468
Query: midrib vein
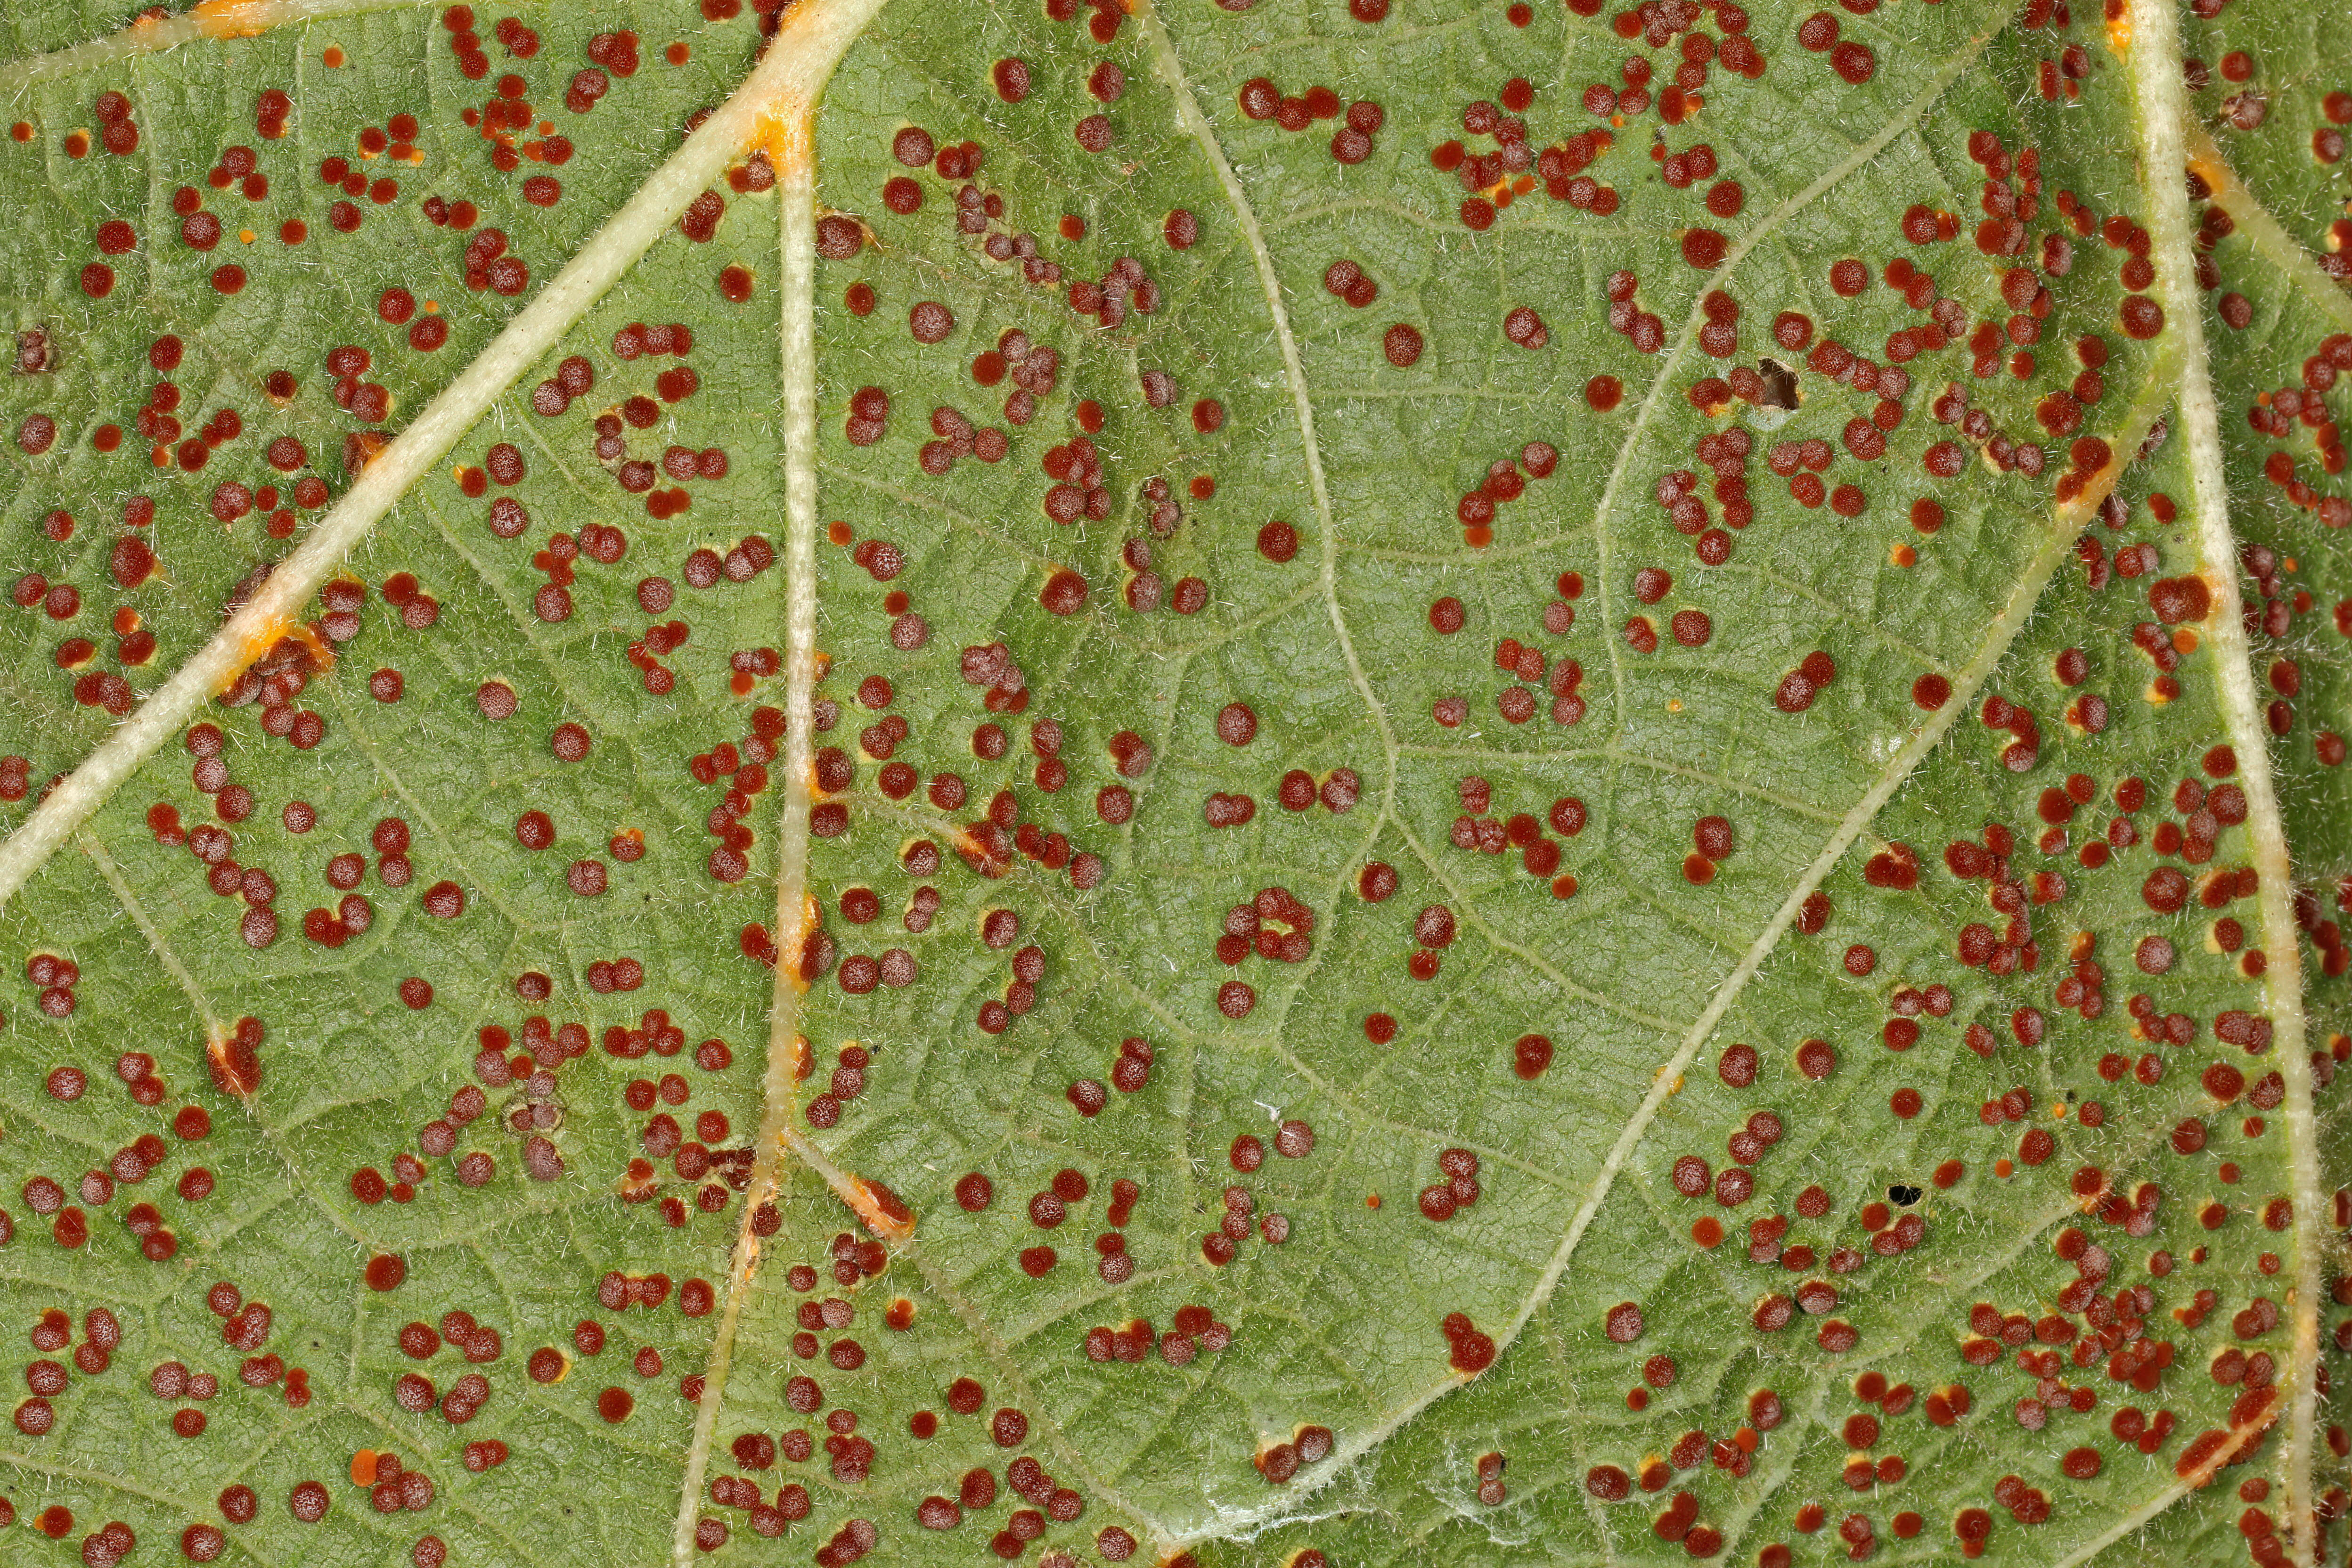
x: 793, y: 156
x: 2162, y: 105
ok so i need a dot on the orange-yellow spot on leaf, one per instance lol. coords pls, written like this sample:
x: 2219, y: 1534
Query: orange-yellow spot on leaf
x: 236, y: 1068
x: 885, y: 1214
x: 789, y: 953
x: 638, y: 1179
x: 231, y: 19
x: 1371, y: 1200
x: 2185, y: 640
x: 322, y: 653
x: 2003, y: 1169
x: 333, y: 58
x: 255, y: 643
x: 245, y: 237
x: 363, y: 1468
x: 782, y: 130
x: 2119, y: 33
x: 1904, y: 555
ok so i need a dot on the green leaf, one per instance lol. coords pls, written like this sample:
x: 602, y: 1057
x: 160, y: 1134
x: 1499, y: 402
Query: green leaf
x: 1317, y: 785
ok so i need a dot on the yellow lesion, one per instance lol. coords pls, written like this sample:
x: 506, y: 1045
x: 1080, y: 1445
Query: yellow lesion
x: 883, y: 1211
x: 321, y: 652
x: 784, y: 130
x: 256, y: 642
x: 232, y: 18
x: 226, y: 1068
x: 269, y: 637
x: 788, y: 960
x: 970, y: 847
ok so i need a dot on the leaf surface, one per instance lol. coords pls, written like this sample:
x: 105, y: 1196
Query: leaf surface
x: 1338, y: 785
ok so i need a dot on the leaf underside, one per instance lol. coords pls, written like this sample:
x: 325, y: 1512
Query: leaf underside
x: 1540, y: 729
